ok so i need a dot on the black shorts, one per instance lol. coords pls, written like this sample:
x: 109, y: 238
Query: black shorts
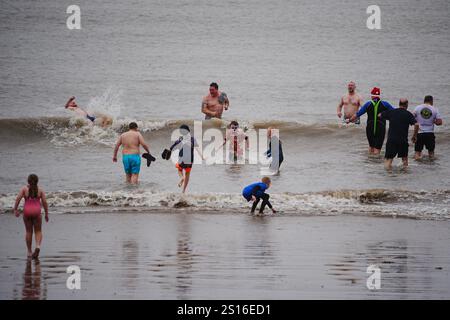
x: 375, y: 140
x: 394, y: 148
x: 426, y: 139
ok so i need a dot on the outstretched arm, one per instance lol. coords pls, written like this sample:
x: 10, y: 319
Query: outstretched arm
x: 116, y: 148
x: 18, y: 199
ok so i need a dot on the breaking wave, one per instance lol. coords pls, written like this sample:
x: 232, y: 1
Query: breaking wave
x: 374, y: 202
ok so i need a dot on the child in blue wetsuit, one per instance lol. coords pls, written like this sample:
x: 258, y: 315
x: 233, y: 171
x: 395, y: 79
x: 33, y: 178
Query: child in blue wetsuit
x: 256, y: 191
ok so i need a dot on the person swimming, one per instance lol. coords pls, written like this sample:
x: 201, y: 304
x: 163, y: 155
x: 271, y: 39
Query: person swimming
x: 104, y: 120
x: 32, y: 218
x: 256, y: 191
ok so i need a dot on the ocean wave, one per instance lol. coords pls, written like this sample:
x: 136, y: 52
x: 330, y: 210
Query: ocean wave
x: 78, y: 131
x: 374, y: 202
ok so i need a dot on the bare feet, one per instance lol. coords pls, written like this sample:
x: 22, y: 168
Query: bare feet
x: 36, y: 253
x: 181, y: 183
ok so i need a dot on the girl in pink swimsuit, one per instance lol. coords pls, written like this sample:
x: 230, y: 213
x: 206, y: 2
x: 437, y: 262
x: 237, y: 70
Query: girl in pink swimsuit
x: 32, y: 218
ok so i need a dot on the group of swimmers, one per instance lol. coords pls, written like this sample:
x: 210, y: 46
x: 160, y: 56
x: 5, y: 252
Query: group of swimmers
x: 350, y: 109
x: 423, y: 118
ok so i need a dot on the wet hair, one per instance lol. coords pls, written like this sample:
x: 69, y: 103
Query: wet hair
x: 234, y: 123
x: 428, y: 99
x: 403, y: 103
x: 133, y: 125
x: 265, y: 180
x: 33, y: 188
x: 215, y: 85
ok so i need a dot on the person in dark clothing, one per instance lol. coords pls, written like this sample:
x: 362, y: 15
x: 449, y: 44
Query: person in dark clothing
x: 376, y: 127
x: 397, y: 143
x: 277, y: 153
x: 256, y: 191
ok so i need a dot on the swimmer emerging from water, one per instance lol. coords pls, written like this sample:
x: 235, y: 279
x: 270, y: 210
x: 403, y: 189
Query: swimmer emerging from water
x: 236, y: 137
x: 105, y: 121
x: 215, y: 102
x: 256, y: 191
x: 351, y: 103
x: 34, y: 197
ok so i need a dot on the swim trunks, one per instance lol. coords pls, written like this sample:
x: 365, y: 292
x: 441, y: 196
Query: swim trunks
x: 131, y: 163
x: 426, y: 139
x: 92, y: 118
x: 347, y: 120
x: 182, y: 166
x: 396, y: 148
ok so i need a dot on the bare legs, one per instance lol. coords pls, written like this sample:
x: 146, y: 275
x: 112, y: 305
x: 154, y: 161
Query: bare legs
x: 388, y: 163
x: 374, y: 151
x: 418, y: 155
x: 132, y: 178
x: 33, y: 224
x: 184, y: 179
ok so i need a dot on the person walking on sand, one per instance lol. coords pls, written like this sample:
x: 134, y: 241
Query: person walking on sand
x: 131, y: 159
x: 215, y: 102
x: 34, y: 196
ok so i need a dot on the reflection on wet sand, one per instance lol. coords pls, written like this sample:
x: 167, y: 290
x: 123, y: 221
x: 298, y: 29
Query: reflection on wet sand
x: 32, y: 281
x: 184, y: 258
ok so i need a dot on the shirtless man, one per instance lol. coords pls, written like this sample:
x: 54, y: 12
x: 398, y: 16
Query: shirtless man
x: 214, y: 103
x: 351, y: 103
x: 130, y: 142
x: 72, y: 105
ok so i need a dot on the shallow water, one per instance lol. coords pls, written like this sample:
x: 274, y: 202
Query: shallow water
x: 227, y: 256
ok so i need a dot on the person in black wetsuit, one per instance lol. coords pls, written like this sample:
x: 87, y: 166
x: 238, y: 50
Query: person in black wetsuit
x: 397, y: 142
x: 376, y: 127
x: 277, y: 152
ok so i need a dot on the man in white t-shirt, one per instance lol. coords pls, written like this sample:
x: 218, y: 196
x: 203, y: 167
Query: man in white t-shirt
x: 427, y: 116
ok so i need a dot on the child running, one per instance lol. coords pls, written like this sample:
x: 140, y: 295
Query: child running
x: 32, y: 218
x: 186, y: 143
x: 255, y: 192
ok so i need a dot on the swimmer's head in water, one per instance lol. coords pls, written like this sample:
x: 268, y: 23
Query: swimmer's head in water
x: 133, y: 126
x: 266, y: 180
x: 213, y: 89
x: 351, y: 87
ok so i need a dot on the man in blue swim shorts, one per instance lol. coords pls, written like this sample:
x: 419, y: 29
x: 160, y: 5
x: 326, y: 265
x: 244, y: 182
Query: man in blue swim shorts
x: 131, y: 142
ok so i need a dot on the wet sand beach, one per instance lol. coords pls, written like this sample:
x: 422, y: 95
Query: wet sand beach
x: 186, y: 255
